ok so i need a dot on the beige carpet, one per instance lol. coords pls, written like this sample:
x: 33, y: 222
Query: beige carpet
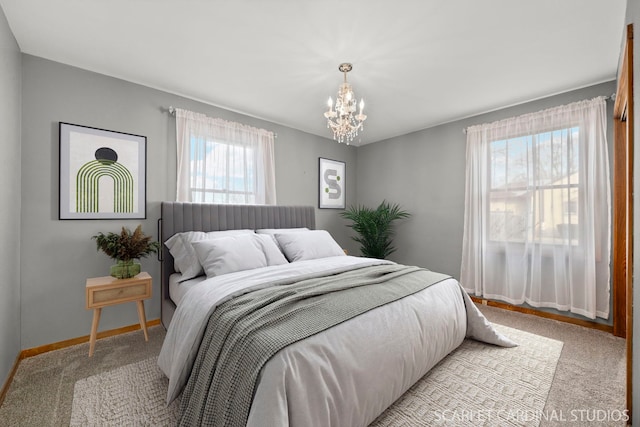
x: 132, y: 395
x: 42, y: 390
x: 478, y: 384
x: 590, y: 377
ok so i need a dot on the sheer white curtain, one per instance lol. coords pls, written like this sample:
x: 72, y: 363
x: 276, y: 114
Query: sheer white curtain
x: 537, y: 210
x: 223, y: 162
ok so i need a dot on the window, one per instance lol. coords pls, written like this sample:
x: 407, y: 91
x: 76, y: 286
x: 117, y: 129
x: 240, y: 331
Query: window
x: 537, y: 209
x: 223, y: 162
x: 533, y: 187
x: 222, y: 172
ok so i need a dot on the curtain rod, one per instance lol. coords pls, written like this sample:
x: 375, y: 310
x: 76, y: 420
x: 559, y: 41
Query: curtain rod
x: 172, y: 111
x: 611, y: 97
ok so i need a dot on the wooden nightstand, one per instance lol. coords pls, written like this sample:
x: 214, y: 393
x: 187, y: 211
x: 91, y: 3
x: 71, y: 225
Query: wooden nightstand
x: 107, y: 290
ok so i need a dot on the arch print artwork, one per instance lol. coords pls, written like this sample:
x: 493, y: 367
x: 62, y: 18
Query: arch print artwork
x: 332, y: 179
x: 102, y: 174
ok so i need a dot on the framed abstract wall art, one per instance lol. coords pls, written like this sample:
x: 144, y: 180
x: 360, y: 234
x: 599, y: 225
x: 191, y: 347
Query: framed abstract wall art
x: 333, y: 184
x: 102, y: 173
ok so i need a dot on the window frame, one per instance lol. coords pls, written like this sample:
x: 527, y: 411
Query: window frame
x: 536, y: 190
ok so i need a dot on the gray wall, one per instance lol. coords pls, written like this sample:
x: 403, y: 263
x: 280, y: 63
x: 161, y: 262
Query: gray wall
x: 10, y: 70
x: 59, y: 255
x: 425, y: 173
x: 633, y: 17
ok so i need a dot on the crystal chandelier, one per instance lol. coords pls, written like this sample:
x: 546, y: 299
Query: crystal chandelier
x: 342, y: 119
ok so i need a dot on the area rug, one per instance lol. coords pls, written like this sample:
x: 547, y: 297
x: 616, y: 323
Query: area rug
x: 476, y: 385
x: 132, y: 395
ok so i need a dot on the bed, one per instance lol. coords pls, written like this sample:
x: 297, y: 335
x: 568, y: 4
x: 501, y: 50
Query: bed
x: 324, y: 340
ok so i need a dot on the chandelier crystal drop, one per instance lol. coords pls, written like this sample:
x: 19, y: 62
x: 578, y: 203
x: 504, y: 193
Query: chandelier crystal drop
x: 343, y: 120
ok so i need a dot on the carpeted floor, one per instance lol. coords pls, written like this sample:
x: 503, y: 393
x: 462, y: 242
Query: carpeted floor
x: 589, y: 381
x: 590, y: 377
x: 496, y: 385
x: 133, y: 394
x: 41, y: 393
x: 480, y: 385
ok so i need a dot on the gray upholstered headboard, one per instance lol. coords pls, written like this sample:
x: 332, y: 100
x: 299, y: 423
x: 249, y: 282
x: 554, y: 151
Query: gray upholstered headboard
x: 177, y: 217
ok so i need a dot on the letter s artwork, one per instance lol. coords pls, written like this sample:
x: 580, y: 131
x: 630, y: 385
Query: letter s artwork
x: 332, y: 181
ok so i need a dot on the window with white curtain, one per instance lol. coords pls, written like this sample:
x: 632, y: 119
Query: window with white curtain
x: 537, y: 210
x: 223, y: 162
x: 533, y: 187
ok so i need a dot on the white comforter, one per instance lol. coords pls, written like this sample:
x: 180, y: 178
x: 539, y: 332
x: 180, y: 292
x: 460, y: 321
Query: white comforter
x: 346, y: 375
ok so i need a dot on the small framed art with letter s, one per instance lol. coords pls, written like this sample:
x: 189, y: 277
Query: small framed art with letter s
x: 332, y: 179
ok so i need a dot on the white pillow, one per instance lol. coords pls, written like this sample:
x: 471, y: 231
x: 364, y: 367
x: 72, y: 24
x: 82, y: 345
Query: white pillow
x: 273, y: 231
x: 185, y: 260
x: 311, y: 245
x: 180, y: 253
x: 280, y: 230
x: 230, y: 254
x: 271, y: 250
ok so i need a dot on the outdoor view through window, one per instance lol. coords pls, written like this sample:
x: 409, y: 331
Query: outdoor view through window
x: 222, y: 172
x: 534, y: 188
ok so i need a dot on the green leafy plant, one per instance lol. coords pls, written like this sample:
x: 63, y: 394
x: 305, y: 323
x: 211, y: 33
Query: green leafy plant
x: 126, y: 246
x: 375, y: 227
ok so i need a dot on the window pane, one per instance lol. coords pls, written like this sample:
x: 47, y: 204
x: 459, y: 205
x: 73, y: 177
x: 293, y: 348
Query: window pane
x: 517, y: 162
x: 507, y: 216
x: 533, y: 190
x: 225, y: 172
x: 498, y: 151
x: 557, y: 215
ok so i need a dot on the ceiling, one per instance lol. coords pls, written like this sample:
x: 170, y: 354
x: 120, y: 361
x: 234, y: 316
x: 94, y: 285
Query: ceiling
x: 417, y: 63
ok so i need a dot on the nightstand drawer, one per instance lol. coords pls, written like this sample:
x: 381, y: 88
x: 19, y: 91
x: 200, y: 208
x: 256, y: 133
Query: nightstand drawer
x: 121, y: 294
x: 103, y: 291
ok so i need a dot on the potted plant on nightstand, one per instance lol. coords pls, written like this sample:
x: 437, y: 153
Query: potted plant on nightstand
x: 125, y: 248
x: 374, y: 227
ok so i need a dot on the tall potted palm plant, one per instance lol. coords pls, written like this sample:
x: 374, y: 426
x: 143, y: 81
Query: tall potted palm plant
x: 375, y: 227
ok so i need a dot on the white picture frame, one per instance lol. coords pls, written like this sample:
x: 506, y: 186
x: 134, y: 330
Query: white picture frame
x: 102, y: 174
x: 332, y: 189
